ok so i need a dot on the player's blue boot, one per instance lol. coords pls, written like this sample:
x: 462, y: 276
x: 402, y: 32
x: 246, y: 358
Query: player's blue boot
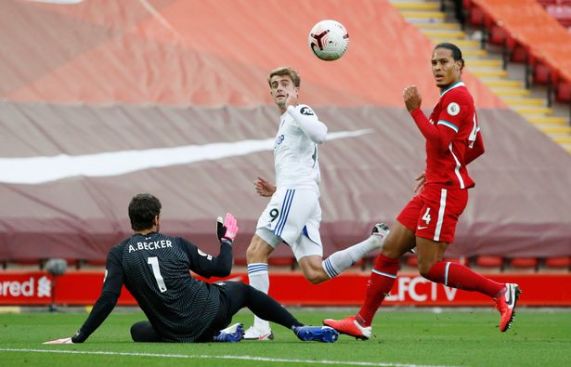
x: 231, y: 334
x: 323, y: 334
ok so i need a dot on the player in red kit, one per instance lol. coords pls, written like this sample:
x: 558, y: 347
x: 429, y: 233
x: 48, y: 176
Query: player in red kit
x: 428, y: 221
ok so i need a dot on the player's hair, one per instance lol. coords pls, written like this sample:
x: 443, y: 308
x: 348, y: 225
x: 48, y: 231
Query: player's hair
x: 283, y: 71
x: 456, y: 52
x: 143, y: 209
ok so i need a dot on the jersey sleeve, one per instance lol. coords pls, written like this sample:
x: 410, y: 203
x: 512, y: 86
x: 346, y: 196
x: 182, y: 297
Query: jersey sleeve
x: 456, y: 108
x: 107, y: 300
x: 207, y: 265
x: 475, y: 150
x: 308, y: 122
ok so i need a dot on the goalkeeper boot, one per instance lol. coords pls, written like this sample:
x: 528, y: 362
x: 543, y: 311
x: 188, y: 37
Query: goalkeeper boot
x: 323, y: 334
x: 350, y: 326
x: 231, y: 334
x: 506, y: 303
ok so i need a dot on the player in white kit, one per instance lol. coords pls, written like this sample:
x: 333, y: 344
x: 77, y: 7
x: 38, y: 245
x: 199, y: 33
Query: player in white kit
x: 293, y: 213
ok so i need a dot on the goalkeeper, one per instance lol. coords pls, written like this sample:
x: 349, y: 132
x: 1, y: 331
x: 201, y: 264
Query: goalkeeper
x: 155, y: 268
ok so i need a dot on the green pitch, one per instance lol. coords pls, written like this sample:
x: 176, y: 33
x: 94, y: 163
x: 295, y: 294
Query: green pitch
x: 401, y: 338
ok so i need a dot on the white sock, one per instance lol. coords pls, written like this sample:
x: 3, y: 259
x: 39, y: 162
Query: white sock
x: 259, y: 279
x: 337, y: 262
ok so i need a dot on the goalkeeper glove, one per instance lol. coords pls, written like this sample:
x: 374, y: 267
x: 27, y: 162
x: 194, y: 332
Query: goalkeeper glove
x: 227, y: 229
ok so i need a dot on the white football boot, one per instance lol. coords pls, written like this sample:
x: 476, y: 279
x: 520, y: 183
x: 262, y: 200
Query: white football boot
x: 256, y: 333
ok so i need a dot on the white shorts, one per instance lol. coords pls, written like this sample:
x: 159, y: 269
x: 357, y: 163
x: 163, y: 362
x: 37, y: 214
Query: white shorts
x: 293, y: 216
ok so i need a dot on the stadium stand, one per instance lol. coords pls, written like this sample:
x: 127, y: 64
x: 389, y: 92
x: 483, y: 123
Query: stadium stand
x: 514, y: 25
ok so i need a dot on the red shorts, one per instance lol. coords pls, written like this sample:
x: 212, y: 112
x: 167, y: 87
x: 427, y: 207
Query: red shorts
x: 434, y: 212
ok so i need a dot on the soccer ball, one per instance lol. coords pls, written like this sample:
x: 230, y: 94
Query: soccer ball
x: 328, y: 40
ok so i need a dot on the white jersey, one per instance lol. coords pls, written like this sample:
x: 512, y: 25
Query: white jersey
x: 295, y: 148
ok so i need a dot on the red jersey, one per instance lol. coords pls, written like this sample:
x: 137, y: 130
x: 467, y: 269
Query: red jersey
x: 453, y: 137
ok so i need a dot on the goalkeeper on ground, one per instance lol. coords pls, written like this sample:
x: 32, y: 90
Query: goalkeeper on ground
x: 154, y: 267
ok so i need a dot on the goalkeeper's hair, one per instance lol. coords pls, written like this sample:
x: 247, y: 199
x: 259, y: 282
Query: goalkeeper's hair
x: 143, y: 209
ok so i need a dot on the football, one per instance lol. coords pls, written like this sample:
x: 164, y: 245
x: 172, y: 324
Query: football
x: 328, y: 40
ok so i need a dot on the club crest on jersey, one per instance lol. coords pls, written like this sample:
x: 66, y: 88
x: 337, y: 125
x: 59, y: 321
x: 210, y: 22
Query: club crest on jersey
x: 453, y: 109
x: 306, y: 111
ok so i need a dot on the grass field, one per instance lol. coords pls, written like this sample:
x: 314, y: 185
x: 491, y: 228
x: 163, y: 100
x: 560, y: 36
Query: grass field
x: 401, y: 338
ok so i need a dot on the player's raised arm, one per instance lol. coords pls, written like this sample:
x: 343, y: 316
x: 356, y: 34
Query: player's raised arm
x: 308, y: 122
x: 221, y: 265
x: 441, y: 134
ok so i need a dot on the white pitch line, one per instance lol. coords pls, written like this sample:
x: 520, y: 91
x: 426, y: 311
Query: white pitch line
x: 226, y: 357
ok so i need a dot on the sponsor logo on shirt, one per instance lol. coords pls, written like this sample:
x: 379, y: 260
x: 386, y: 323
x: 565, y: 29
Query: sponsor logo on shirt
x: 280, y: 139
x: 453, y: 109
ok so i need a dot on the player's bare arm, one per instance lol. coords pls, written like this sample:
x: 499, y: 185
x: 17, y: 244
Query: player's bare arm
x: 264, y: 188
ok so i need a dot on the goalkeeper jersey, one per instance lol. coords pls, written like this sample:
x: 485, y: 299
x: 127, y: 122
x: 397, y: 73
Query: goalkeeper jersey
x: 155, y: 270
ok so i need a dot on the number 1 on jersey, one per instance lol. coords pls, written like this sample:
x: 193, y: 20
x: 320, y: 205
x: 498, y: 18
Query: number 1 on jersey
x: 154, y: 261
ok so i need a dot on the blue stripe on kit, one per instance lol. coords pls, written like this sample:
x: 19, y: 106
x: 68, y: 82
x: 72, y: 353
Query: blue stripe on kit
x: 449, y: 124
x: 285, y: 211
x: 281, y: 213
x: 329, y: 268
x: 256, y: 268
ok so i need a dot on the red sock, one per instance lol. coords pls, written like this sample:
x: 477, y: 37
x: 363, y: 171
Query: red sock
x: 458, y: 276
x: 380, y: 284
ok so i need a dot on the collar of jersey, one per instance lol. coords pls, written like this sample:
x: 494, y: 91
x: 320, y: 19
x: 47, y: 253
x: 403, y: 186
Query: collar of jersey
x: 455, y: 85
x: 145, y: 235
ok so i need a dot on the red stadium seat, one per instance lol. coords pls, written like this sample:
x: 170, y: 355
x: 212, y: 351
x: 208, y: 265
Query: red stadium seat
x: 563, y: 92
x: 92, y: 263
x: 524, y: 263
x: 498, y: 35
x: 476, y: 16
x: 562, y: 263
x: 489, y: 263
x: 39, y: 263
x: 541, y: 74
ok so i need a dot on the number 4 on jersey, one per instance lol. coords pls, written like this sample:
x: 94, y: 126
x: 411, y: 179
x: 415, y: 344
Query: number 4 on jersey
x: 426, y: 217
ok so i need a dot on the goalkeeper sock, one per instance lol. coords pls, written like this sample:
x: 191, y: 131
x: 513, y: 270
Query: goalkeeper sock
x: 265, y: 306
x: 258, y: 278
